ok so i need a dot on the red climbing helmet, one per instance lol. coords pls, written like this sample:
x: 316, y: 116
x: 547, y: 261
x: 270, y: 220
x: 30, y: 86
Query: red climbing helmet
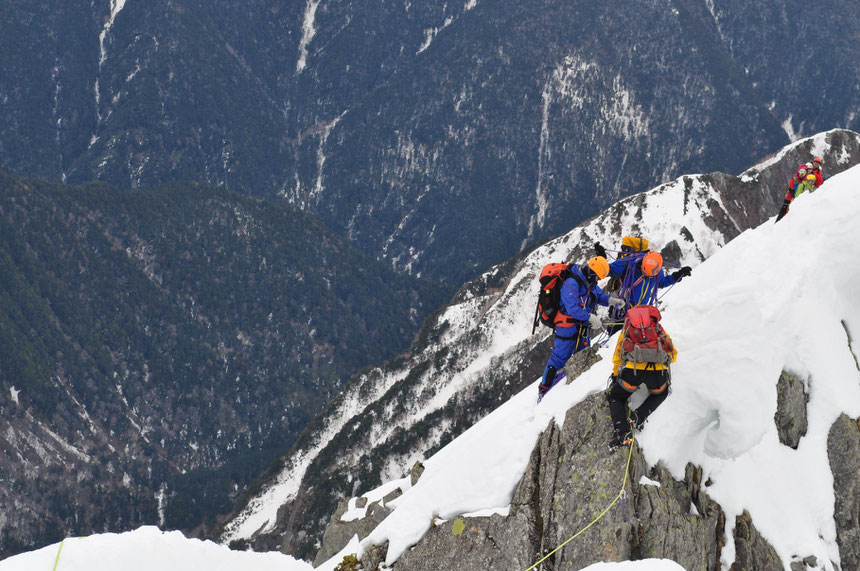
x: 652, y: 262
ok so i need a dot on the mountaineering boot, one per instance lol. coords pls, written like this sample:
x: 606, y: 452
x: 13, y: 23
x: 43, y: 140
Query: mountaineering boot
x: 620, y: 441
x: 551, y: 377
x: 546, y: 382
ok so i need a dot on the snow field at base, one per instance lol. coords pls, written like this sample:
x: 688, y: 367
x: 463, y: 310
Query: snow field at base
x: 774, y: 298
x: 147, y: 549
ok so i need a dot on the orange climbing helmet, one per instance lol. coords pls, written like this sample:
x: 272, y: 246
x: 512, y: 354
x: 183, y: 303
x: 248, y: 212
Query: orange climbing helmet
x: 599, y: 266
x: 652, y: 263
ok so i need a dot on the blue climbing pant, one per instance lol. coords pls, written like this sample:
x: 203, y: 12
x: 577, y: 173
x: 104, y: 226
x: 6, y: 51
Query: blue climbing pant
x: 568, y: 342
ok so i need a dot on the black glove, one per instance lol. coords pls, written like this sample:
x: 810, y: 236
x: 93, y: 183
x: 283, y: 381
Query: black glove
x: 599, y: 250
x: 682, y: 273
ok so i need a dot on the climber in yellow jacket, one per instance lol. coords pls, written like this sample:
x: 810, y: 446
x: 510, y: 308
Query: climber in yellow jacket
x: 642, y: 355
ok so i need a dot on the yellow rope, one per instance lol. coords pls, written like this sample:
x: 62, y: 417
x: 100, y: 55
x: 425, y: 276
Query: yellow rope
x: 619, y: 496
x: 60, y: 550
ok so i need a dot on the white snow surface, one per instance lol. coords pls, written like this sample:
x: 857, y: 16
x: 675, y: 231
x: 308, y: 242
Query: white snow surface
x: 147, y: 549
x: 781, y: 296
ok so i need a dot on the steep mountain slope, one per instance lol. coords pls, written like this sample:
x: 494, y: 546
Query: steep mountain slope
x: 160, y: 348
x: 476, y: 353
x: 715, y: 480
x: 413, y: 129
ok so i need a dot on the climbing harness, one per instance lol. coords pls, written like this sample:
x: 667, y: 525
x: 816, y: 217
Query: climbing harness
x: 620, y: 496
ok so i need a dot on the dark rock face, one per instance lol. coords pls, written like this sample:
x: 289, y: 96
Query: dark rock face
x: 676, y: 515
x: 338, y: 533
x: 843, y: 449
x: 571, y: 478
x: 493, y: 542
x: 790, y: 416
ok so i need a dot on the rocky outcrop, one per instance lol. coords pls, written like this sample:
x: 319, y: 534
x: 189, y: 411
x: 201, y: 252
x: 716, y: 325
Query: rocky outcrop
x: 571, y: 478
x: 752, y: 551
x: 843, y: 450
x: 676, y: 515
x: 567, y: 506
x: 790, y: 416
x: 495, y: 542
x: 339, y: 532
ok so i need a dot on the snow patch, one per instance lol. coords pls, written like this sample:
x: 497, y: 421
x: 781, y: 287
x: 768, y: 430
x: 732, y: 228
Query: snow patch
x: 645, y: 481
x: 431, y: 33
x: 145, y: 549
x: 544, y: 150
x: 308, y: 33
x: 788, y: 127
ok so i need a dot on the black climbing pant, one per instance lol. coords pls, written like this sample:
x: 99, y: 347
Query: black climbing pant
x: 657, y: 381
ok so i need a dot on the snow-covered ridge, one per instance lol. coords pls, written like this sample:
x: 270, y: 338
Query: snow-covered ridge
x: 507, y: 322
x: 691, y: 218
x: 752, y: 310
x: 818, y: 147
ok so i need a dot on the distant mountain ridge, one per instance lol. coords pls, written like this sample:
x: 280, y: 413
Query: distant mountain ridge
x: 436, y: 135
x: 162, y: 347
x: 474, y: 354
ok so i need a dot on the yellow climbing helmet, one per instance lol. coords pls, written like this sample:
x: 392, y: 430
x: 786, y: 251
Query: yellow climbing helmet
x: 634, y: 244
x: 599, y: 266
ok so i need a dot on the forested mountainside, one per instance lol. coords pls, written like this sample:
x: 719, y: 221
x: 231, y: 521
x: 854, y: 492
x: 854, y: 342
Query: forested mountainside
x: 442, y: 137
x: 476, y: 353
x: 161, y: 347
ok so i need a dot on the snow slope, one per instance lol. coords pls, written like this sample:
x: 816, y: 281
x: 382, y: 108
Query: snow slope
x: 147, y: 549
x: 781, y: 296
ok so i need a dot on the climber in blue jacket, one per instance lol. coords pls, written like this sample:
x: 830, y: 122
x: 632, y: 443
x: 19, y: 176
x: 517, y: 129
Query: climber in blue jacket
x: 579, y: 296
x: 641, y: 277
